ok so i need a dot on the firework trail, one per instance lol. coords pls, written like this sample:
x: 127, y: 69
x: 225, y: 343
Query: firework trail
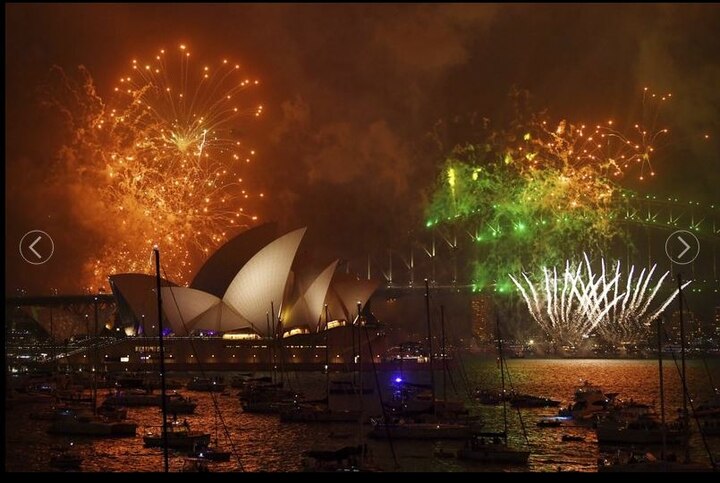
x: 163, y: 159
x: 570, y: 307
x: 581, y: 150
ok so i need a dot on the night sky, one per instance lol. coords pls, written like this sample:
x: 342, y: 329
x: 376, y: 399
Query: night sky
x: 351, y: 93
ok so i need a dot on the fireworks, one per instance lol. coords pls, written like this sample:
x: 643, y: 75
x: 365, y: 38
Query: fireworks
x: 583, y: 151
x: 569, y: 307
x: 588, y: 151
x: 166, y: 156
x: 527, y: 219
x: 530, y: 193
x: 183, y: 122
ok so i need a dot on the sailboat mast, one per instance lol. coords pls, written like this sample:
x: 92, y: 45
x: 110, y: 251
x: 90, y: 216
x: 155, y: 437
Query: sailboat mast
x: 444, y: 354
x: 360, y: 376
x: 327, y: 359
x: 95, y: 359
x: 354, y: 354
x: 276, y: 342
x: 269, y: 347
x: 279, y: 335
x: 162, y: 359
x: 662, y: 391
x: 52, y: 342
x: 686, y: 422
x: 360, y: 360
x: 502, y: 376
x: 430, y: 350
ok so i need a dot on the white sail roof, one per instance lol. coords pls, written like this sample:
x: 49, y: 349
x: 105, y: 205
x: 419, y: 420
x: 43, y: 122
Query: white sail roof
x: 315, y: 295
x: 221, y: 318
x: 344, y: 294
x: 309, y: 307
x: 183, y: 305
x: 137, y: 290
x: 216, y: 273
x: 262, y: 280
x: 188, y: 309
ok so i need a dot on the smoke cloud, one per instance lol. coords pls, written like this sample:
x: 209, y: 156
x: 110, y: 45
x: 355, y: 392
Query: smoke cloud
x: 350, y: 94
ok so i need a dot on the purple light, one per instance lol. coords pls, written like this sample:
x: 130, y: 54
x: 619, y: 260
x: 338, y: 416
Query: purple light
x: 398, y: 379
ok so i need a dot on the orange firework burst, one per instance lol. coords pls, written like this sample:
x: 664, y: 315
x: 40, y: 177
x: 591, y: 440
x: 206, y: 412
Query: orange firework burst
x: 601, y: 149
x: 167, y: 154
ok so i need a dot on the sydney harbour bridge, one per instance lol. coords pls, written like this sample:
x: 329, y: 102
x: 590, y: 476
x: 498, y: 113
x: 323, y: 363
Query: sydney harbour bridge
x: 444, y: 253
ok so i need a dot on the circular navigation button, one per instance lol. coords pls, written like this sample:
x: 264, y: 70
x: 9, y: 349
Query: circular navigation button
x: 682, y: 247
x: 36, y: 247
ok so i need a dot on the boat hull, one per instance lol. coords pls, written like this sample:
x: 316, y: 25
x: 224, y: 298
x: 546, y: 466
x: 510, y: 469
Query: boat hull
x: 422, y: 431
x: 637, y: 436
x: 177, y: 442
x: 495, y: 455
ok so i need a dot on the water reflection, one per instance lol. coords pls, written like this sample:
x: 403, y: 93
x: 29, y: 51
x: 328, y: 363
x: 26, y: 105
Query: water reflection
x: 264, y: 444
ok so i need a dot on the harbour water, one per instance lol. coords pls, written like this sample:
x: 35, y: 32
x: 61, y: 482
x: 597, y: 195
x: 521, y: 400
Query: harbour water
x: 263, y: 443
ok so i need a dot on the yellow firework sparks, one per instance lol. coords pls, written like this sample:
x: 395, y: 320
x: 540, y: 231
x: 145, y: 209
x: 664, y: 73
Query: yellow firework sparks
x: 168, y: 154
x: 601, y: 148
x: 181, y: 114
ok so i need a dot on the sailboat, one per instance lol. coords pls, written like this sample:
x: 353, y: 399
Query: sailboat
x: 172, y: 434
x: 493, y: 447
x: 66, y: 458
x: 320, y: 411
x: 442, y: 424
x: 647, y: 462
x: 210, y: 451
x: 176, y: 435
x: 266, y: 395
x: 355, y: 458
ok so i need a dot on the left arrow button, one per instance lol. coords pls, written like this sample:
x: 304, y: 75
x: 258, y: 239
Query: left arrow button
x: 36, y: 247
x: 32, y: 247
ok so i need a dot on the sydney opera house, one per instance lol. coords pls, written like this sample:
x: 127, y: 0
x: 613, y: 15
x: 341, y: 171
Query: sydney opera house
x: 253, y: 303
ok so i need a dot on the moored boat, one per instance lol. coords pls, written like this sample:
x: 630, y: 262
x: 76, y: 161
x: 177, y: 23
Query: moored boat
x: 643, y: 430
x: 179, y: 436
x: 210, y: 452
x: 411, y: 430
x: 631, y: 462
x: 318, y: 413
x: 178, y: 404
x: 84, y: 424
x: 204, y: 384
x: 66, y: 459
x: 132, y: 398
x: 492, y: 448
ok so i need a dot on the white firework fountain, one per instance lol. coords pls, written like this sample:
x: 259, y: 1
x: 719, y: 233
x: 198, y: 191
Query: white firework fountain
x: 569, y: 307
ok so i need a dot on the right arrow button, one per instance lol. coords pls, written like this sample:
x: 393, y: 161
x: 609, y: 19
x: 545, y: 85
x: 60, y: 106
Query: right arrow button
x: 687, y: 247
x: 682, y: 247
